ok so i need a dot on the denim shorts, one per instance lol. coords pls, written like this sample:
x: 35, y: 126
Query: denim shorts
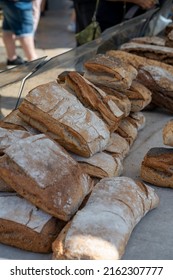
x: 18, y: 17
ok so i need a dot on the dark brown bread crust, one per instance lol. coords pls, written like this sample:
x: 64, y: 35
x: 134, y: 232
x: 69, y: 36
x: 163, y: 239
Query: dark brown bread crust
x: 157, y: 167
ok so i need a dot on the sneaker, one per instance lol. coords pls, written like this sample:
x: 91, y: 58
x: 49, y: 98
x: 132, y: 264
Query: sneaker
x: 15, y: 62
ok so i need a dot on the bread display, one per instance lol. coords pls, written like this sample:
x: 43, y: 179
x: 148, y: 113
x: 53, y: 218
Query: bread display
x: 157, y: 167
x: 167, y: 133
x: 45, y: 174
x: 118, y: 146
x: 109, y: 71
x: 100, y: 165
x: 95, y: 99
x: 24, y: 226
x: 119, y: 98
x: 150, y: 40
x: 160, y: 53
x: 54, y: 111
x: 139, y: 96
x: 118, y: 204
x: 160, y: 83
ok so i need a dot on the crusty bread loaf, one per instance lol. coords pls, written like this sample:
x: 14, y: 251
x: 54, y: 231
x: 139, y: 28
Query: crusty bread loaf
x: 8, y: 137
x: 139, y: 61
x: 44, y: 173
x: 167, y: 133
x: 138, y: 119
x: 95, y: 99
x: 119, y: 98
x: 160, y: 53
x: 127, y: 130
x: 150, y: 40
x: 109, y: 71
x: 139, y: 96
x: 118, y: 146
x: 169, y: 40
x: 100, y: 165
x: 24, y: 226
x: 54, y: 111
x: 13, y: 121
x: 168, y: 28
x: 157, y: 167
x: 101, y: 230
x: 160, y: 83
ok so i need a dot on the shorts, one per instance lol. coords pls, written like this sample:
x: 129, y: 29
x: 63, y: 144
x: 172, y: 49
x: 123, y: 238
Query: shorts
x: 18, y: 18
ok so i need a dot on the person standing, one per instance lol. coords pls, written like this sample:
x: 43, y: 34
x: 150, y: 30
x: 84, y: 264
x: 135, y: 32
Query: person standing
x: 112, y: 12
x: 18, y: 24
x: 84, y: 10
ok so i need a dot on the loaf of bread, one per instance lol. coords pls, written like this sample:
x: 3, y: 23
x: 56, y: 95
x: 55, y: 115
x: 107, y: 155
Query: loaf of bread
x: 8, y: 137
x: 139, y: 61
x: 119, y: 98
x: 160, y: 53
x: 44, y: 173
x: 13, y: 121
x: 160, y: 83
x: 101, y: 230
x: 95, y: 99
x: 167, y: 133
x: 56, y: 112
x: 118, y: 146
x: 150, y: 40
x: 109, y: 71
x: 139, y: 96
x: 24, y: 226
x: 169, y: 40
x: 127, y: 130
x: 100, y: 165
x: 137, y: 119
x: 4, y: 187
x: 157, y: 167
x: 168, y: 28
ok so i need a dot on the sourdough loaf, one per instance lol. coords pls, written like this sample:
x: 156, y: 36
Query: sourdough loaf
x: 119, y: 98
x: 150, y: 40
x: 24, y: 226
x: 160, y: 53
x: 109, y: 71
x: 13, y: 121
x: 160, y: 83
x: 118, y: 146
x: 167, y: 133
x: 53, y: 110
x: 44, y: 173
x: 139, y: 61
x: 127, y: 130
x: 118, y: 204
x: 100, y: 165
x: 139, y: 96
x: 157, y: 167
x: 95, y: 99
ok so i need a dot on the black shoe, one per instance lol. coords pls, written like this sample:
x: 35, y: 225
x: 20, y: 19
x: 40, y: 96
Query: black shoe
x: 15, y: 62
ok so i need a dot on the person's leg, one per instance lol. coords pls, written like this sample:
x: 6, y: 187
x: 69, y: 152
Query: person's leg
x: 28, y: 46
x: 9, y: 42
x: 36, y: 12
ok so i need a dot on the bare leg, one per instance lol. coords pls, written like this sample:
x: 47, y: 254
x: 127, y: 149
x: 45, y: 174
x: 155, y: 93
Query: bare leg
x: 28, y: 46
x: 9, y: 42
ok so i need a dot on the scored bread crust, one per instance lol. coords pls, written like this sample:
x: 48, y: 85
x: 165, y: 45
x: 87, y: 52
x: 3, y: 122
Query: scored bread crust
x: 53, y: 110
x: 109, y: 71
x: 156, y: 167
x: 24, y: 226
x: 167, y: 133
x: 44, y: 173
x: 118, y: 204
x: 95, y: 99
